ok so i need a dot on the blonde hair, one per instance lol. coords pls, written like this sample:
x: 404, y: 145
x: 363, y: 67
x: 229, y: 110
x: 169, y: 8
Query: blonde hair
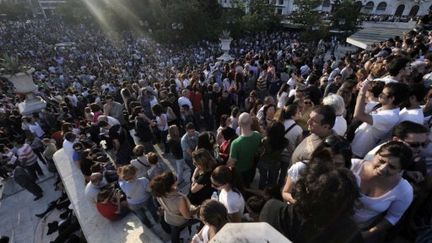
x: 152, y: 158
x: 127, y: 172
x: 138, y: 150
x: 173, y: 132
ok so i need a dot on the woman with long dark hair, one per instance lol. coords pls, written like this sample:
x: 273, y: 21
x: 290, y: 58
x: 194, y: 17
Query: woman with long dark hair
x: 269, y: 163
x: 201, y: 188
x: 323, y: 211
x: 214, y: 216
x: 178, y: 211
x: 226, y: 180
x: 385, y: 195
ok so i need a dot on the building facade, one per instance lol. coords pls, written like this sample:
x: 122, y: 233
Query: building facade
x: 373, y: 7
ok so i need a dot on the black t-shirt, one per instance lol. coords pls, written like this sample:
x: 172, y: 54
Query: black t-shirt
x: 85, y: 165
x: 205, y: 193
x: 116, y: 132
x: 283, y: 218
x: 175, y: 148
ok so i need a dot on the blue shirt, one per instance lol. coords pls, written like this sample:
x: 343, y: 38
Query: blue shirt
x: 136, y: 190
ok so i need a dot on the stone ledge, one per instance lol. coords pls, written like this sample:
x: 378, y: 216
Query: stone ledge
x: 248, y: 232
x: 95, y: 227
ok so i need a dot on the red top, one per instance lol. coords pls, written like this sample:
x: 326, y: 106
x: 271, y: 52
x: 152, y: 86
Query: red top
x: 108, y: 210
x: 224, y: 149
x: 196, y: 99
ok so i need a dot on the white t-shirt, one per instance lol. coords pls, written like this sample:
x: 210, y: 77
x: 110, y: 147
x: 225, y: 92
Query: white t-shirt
x: 111, y: 120
x: 204, y: 235
x: 367, y: 136
x: 294, y: 135
x: 162, y: 124
x: 233, y: 201
x: 291, y: 82
x: 295, y: 172
x: 68, y: 149
x: 371, y: 154
x: 340, y: 126
x: 282, y: 99
x: 414, y: 115
x: 142, y: 166
x: 387, y: 79
x: 369, y: 106
x: 91, y: 191
x: 394, y: 202
x: 36, y: 130
x: 184, y: 101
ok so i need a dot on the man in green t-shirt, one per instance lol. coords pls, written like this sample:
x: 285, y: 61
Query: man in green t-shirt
x: 244, y: 149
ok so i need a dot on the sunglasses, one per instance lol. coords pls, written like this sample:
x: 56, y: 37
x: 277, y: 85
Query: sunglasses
x: 416, y: 145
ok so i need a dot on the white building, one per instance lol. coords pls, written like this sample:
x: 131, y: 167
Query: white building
x: 375, y: 7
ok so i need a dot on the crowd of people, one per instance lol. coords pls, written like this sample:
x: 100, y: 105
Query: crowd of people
x: 341, y: 145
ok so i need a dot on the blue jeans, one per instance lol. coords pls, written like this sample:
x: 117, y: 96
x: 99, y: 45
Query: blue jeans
x: 140, y: 211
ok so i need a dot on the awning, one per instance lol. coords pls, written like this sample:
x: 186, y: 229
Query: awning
x: 372, y: 34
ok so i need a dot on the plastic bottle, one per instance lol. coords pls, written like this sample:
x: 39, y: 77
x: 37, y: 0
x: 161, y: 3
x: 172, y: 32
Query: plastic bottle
x: 215, y: 196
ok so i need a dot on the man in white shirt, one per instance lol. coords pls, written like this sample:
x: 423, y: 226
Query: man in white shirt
x: 378, y: 124
x: 184, y: 99
x: 413, y: 112
x: 35, y: 128
x: 338, y: 104
x: 268, y: 100
x: 68, y: 142
x: 93, y: 187
x: 397, y: 69
x: 335, y: 71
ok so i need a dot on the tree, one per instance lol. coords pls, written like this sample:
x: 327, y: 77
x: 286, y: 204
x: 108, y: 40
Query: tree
x: 345, y: 15
x: 307, y: 16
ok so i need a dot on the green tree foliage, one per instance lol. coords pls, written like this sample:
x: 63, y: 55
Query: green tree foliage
x: 175, y: 21
x: 345, y: 15
x: 307, y: 16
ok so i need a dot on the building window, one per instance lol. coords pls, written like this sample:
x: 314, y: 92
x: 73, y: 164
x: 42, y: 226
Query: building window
x: 382, y: 6
x: 369, y: 5
x: 281, y: 2
x: 279, y: 11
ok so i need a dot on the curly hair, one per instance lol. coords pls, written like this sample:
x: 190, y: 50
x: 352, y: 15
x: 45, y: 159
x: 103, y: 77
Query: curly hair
x: 326, y: 195
x: 162, y: 184
x: 214, y: 213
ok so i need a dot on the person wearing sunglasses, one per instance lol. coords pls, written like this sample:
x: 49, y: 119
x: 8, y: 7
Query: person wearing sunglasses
x: 385, y: 195
x: 227, y: 181
x: 416, y: 137
x: 377, y: 124
x: 334, y: 150
x: 413, y: 112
